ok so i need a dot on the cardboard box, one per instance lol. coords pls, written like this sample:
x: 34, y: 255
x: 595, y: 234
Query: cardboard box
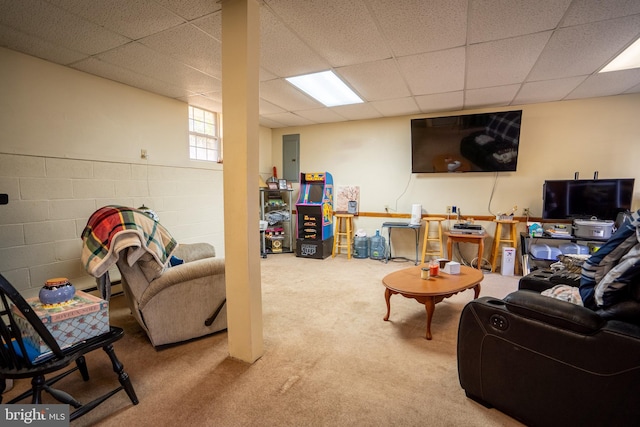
x: 86, y: 316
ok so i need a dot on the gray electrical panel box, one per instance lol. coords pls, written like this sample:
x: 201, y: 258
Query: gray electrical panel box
x: 291, y: 157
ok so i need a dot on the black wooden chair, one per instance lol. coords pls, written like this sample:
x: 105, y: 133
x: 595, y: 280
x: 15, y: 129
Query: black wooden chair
x: 15, y: 362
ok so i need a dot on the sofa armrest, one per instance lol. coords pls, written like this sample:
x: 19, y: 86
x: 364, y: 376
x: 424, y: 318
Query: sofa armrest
x: 626, y: 311
x: 554, y: 312
x: 182, y: 273
x: 194, y: 251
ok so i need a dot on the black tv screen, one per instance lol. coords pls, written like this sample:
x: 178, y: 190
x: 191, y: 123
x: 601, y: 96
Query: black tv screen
x: 586, y: 198
x: 486, y: 142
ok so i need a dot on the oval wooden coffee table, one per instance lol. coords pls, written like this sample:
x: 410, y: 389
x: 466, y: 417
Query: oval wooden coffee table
x: 407, y: 282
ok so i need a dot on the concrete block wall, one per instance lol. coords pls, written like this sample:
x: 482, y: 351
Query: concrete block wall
x: 51, y: 199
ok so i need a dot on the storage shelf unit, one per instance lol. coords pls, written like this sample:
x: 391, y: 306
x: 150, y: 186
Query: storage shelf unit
x: 276, y: 209
x: 525, y: 245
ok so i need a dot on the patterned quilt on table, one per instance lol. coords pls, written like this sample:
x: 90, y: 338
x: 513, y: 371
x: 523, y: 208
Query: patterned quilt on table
x: 112, y: 229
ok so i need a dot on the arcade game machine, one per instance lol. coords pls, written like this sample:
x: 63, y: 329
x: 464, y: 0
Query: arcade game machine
x: 314, y: 231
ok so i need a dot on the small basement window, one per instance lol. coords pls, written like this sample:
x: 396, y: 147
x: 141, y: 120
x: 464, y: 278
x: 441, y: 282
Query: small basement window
x: 204, y: 135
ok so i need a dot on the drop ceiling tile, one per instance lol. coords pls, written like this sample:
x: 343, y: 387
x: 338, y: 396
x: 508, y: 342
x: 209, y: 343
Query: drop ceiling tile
x: 272, y: 124
x: 342, y: 32
x: 584, y: 11
x: 266, y: 75
x: 583, y: 49
x: 196, y: 82
x: 37, y: 47
x: 268, y: 108
x: 284, y: 95
x: 635, y: 89
x: 59, y: 27
x: 490, y: 97
x: 375, y: 80
x: 215, y: 95
x: 396, y: 107
x: 191, y: 46
x: 360, y: 39
x: 547, y: 91
x: 417, y: 26
x: 132, y: 19
x: 357, y: 112
x: 282, y: 52
x: 142, y: 60
x: 450, y: 101
x: 289, y: 119
x: 434, y: 72
x: 321, y: 115
x: 606, y: 84
x: 203, y: 102
x: 210, y: 24
x: 499, y: 19
x: 504, y: 61
x: 112, y: 72
x: 191, y: 9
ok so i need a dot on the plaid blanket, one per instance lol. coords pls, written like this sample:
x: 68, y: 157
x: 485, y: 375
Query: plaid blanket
x: 112, y: 229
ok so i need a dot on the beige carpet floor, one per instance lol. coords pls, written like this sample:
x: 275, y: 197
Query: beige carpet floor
x: 329, y: 359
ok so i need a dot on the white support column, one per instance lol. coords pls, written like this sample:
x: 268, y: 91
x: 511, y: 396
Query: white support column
x: 240, y: 94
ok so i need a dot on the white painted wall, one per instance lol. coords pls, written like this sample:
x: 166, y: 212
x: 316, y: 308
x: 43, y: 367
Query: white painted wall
x: 70, y: 143
x: 557, y: 140
x: 54, y: 111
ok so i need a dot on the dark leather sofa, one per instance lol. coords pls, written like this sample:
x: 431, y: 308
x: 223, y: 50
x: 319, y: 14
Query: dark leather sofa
x: 547, y: 362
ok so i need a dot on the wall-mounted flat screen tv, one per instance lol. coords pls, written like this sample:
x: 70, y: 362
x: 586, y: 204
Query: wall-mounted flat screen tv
x: 586, y: 198
x: 486, y: 142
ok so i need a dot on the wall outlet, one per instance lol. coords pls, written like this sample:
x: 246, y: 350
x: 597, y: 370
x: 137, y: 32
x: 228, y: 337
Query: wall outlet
x: 448, y: 209
x: 525, y: 212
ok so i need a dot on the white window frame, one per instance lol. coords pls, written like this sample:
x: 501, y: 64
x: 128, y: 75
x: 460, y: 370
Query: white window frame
x: 204, y: 135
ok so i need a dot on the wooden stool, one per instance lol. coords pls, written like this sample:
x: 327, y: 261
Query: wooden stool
x: 343, y: 229
x: 436, y: 238
x: 498, y: 240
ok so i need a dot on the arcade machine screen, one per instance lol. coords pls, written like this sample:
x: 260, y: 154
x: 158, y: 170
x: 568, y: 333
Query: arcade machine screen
x: 316, y: 192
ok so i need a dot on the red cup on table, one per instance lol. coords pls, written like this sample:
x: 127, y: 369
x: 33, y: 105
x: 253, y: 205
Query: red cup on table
x: 434, y: 268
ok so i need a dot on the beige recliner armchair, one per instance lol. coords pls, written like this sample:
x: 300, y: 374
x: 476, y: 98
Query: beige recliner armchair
x: 177, y: 303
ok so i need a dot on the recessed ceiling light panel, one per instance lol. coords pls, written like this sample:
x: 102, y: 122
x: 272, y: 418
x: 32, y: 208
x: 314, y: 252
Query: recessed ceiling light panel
x: 628, y: 59
x: 326, y: 88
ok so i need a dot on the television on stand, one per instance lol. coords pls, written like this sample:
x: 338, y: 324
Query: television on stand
x: 602, y: 199
x: 486, y: 142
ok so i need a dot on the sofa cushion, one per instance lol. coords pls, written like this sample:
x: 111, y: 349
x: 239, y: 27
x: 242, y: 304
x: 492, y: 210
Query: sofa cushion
x: 626, y: 311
